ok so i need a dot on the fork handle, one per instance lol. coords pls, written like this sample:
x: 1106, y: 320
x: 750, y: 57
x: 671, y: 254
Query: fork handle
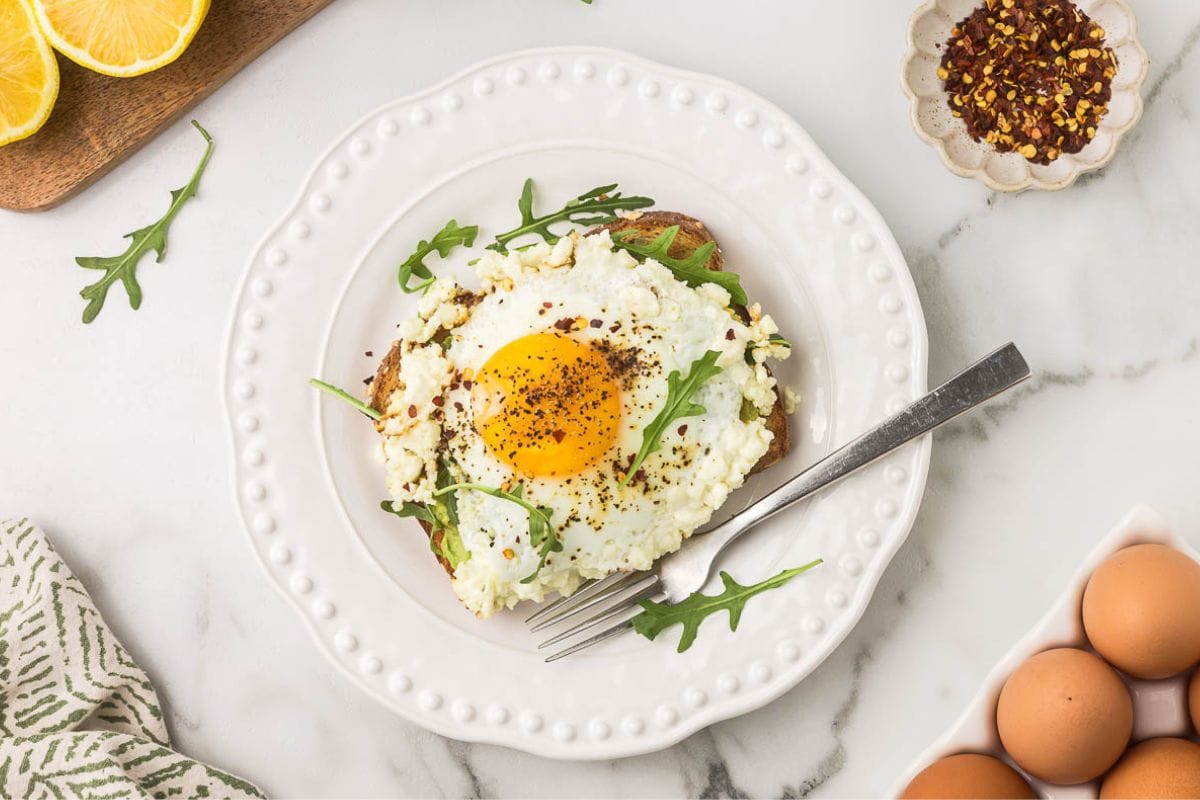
x: 985, y: 379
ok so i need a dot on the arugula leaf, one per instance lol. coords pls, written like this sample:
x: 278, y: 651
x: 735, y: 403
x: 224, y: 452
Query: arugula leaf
x: 342, y: 394
x: 690, y: 612
x: 445, y: 478
x: 153, y: 237
x: 678, y: 406
x: 449, y: 237
x: 436, y: 514
x: 690, y: 270
x: 597, y: 206
x: 408, y: 509
x: 776, y: 338
x: 542, y: 533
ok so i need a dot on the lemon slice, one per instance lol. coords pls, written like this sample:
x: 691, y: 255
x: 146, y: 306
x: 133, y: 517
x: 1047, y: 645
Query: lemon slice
x: 28, y: 73
x: 121, y: 38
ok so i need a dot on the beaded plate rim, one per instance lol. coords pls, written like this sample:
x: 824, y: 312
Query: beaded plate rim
x: 489, y: 719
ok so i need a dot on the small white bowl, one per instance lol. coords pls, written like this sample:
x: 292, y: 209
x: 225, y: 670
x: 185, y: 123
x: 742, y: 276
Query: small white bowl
x: 1159, y: 707
x: 929, y: 29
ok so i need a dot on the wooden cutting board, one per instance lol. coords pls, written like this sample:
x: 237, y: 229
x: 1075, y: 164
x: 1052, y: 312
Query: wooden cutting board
x: 99, y: 121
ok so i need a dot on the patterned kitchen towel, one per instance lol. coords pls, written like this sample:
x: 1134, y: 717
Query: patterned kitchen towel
x: 78, y: 718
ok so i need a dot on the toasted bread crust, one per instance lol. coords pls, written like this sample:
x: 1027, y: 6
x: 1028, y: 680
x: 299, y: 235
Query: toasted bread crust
x: 650, y: 224
x: 386, y: 380
x: 692, y: 234
x: 435, y: 537
x: 781, y: 442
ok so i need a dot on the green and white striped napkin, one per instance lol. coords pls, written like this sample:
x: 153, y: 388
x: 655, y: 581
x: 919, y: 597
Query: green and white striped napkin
x: 78, y: 718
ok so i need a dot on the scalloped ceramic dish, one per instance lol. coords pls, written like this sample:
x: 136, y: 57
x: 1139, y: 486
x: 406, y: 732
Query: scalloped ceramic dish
x: 320, y: 290
x: 1160, y: 707
x: 928, y: 30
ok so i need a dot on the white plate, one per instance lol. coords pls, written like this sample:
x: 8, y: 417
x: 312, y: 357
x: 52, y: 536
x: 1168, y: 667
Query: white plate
x: 321, y: 289
x: 1159, y: 707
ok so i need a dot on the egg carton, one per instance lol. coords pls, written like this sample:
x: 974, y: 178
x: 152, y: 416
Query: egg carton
x: 1159, y: 707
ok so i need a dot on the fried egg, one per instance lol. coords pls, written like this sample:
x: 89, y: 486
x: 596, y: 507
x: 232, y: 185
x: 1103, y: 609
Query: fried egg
x: 545, y: 380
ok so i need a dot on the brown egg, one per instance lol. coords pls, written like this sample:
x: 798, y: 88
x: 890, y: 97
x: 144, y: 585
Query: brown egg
x: 1065, y: 716
x: 1141, y: 611
x: 1156, y: 768
x: 1194, y: 699
x: 970, y: 776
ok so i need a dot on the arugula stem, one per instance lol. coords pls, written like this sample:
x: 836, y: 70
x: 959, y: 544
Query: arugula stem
x: 707, y: 604
x: 696, y: 607
x: 517, y: 233
x: 342, y: 394
x: 512, y: 498
x: 152, y: 238
x: 678, y: 405
x: 598, y: 206
x: 177, y: 202
x: 542, y: 534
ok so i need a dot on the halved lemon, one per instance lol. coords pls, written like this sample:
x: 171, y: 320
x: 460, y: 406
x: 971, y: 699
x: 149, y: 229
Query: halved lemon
x: 122, y: 38
x: 28, y: 73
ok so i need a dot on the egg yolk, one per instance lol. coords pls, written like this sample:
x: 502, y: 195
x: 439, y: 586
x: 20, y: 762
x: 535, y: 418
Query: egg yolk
x: 547, y: 405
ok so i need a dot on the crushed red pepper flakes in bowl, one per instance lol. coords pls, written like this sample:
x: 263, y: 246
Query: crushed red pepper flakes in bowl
x: 1029, y: 76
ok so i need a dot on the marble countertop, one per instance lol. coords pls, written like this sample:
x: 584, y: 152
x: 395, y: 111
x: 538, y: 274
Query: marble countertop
x: 113, y: 434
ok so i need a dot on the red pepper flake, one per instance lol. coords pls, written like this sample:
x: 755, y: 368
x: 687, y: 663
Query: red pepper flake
x: 559, y: 435
x: 565, y: 323
x: 467, y: 385
x: 439, y: 401
x: 682, y: 430
x: 547, y: 305
x: 632, y: 456
x: 369, y: 354
x: 596, y: 323
x: 729, y: 334
x: 412, y: 411
x: 458, y: 406
x: 1029, y: 76
x: 616, y: 326
x: 640, y: 475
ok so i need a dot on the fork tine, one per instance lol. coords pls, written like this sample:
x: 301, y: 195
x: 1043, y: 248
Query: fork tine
x: 586, y: 586
x: 629, y: 581
x: 619, y: 627
x: 599, y: 618
x: 585, y: 591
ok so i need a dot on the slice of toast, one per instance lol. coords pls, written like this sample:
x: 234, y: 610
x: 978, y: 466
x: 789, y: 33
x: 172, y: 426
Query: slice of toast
x: 649, y: 225
x: 692, y: 235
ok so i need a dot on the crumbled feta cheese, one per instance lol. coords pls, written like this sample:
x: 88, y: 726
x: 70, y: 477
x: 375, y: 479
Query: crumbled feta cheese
x: 791, y: 400
x: 411, y: 432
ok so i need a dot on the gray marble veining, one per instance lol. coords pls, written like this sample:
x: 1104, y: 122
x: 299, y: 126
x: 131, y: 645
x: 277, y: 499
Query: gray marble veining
x: 1099, y: 284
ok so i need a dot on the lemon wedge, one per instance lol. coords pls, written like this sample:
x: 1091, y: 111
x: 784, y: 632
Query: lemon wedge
x: 122, y: 38
x: 28, y: 73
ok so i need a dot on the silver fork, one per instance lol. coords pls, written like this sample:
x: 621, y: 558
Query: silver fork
x: 610, y: 603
